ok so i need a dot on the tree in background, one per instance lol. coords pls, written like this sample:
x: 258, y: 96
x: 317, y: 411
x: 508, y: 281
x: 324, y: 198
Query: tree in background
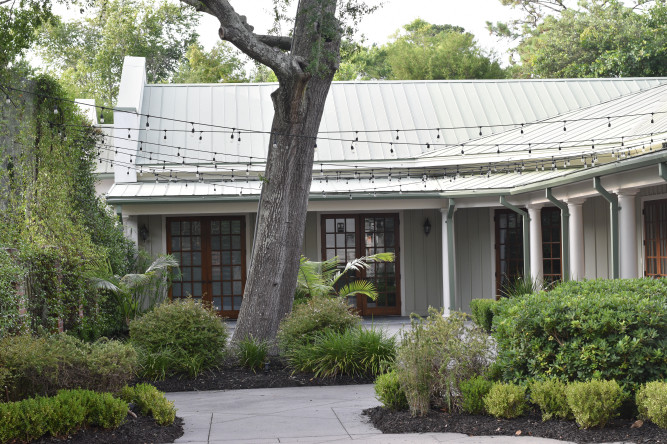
x: 87, y: 54
x: 589, y: 38
x: 222, y: 64
x: 423, y: 51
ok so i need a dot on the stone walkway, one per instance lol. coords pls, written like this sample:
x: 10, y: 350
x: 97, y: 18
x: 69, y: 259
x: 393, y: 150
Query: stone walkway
x: 299, y: 415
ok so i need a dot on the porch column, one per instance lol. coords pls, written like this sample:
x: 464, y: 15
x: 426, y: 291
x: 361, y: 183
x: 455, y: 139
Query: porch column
x: 536, y: 263
x: 448, y: 268
x: 627, y: 233
x: 577, y: 264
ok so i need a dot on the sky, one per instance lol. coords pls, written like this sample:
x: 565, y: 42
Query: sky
x: 379, y: 26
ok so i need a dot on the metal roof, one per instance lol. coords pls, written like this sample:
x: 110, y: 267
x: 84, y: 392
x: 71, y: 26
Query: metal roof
x: 365, y: 106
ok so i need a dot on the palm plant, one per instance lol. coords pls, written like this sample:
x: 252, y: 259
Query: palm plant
x: 137, y: 292
x: 321, y: 278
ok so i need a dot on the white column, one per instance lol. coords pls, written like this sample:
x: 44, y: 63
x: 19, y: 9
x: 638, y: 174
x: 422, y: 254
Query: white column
x: 536, y: 263
x: 577, y: 264
x: 446, y: 278
x: 627, y: 233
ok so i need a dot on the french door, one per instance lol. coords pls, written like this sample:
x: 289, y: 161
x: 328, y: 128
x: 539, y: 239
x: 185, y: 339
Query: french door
x: 211, y: 253
x: 351, y: 236
x: 655, y: 238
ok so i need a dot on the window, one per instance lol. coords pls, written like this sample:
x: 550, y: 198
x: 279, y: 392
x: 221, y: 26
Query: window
x: 655, y: 238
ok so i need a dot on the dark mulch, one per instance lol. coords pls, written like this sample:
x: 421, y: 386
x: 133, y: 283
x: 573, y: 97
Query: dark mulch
x: 389, y: 421
x: 232, y: 377
x: 140, y: 430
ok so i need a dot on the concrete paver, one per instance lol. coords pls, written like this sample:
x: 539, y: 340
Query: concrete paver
x: 300, y: 415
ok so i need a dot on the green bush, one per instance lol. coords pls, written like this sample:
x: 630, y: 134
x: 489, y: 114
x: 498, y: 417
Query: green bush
x: 178, y: 337
x: 550, y: 396
x: 652, y: 402
x: 251, y: 353
x: 150, y: 401
x: 60, y: 415
x: 435, y: 355
x: 595, y: 402
x: 609, y: 329
x: 43, y: 365
x: 473, y: 391
x: 309, y: 319
x: 10, y: 275
x: 482, y: 312
x: 354, y: 352
x: 388, y: 391
x: 505, y: 400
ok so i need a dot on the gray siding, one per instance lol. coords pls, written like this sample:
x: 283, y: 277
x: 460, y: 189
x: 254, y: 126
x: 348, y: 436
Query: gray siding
x: 421, y: 257
x: 474, y: 255
x: 152, y: 245
x: 597, y: 240
x: 310, y: 242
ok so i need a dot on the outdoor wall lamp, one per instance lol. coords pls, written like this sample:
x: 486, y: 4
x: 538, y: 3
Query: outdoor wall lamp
x: 143, y: 232
x: 427, y: 227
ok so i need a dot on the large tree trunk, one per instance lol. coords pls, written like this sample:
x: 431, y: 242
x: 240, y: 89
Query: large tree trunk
x: 304, y: 76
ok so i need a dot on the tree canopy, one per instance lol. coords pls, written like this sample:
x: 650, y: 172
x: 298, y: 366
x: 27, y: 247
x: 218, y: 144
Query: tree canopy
x: 87, y: 54
x: 221, y: 64
x: 422, y: 51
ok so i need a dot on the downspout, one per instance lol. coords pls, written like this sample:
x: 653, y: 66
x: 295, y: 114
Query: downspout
x: 450, y: 254
x: 565, y: 232
x: 662, y: 170
x: 526, y: 235
x: 613, y: 205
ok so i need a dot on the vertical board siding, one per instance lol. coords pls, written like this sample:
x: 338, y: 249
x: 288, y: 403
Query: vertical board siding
x: 422, y: 261
x: 152, y: 245
x: 310, y: 248
x: 473, y: 253
x: 597, y: 240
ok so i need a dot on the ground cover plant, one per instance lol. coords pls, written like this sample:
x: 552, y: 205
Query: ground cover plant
x: 604, y: 329
x: 178, y: 337
x: 251, y: 353
x: 32, y: 365
x: 150, y: 401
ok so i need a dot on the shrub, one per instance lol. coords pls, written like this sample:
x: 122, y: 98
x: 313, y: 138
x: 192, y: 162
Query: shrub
x: 178, y: 337
x: 435, y: 355
x: 309, y: 319
x: 473, y: 391
x: 505, y: 400
x: 595, y: 402
x: 550, y: 396
x: 609, y: 329
x: 388, y: 391
x: 150, y: 401
x: 482, y: 312
x: 652, y: 402
x: 59, y: 415
x: 251, y: 353
x: 354, y: 352
x: 43, y: 365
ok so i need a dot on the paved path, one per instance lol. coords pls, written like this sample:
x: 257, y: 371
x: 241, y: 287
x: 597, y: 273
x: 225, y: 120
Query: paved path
x: 299, y: 415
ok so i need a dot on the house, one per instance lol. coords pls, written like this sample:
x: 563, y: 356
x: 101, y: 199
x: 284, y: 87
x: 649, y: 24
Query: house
x: 470, y: 183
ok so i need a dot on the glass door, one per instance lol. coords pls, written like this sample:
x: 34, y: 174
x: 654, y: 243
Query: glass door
x: 509, y: 248
x: 353, y: 236
x: 655, y: 238
x: 211, y: 251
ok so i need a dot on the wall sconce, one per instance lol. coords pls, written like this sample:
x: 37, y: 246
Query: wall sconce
x: 143, y: 232
x: 427, y: 227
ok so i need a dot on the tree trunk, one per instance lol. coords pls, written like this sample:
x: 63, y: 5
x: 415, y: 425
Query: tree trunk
x: 298, y: 104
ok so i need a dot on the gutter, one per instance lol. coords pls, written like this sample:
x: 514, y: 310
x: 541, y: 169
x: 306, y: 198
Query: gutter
x: 565, y: 232
x: 613, y: 207
x: 526, y: 235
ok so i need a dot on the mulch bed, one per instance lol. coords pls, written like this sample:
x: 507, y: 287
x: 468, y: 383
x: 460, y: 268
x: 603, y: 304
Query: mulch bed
x: 618, y: 430
x: 232, y: 377
x: 139, y: 430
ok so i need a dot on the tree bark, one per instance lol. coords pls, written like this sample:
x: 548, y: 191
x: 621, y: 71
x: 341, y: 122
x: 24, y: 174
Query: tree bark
x: 304, y: 77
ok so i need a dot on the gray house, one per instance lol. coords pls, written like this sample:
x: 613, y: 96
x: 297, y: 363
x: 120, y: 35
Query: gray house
x: 470, y: 183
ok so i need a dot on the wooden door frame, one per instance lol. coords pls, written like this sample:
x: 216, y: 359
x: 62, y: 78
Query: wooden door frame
x: 662, y: 273
x: 207, y: 275
x: 360, y: 247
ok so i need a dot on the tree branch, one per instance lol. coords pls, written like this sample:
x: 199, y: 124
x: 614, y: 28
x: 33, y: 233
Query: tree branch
x: 235, y: 29
x: 277, y: 41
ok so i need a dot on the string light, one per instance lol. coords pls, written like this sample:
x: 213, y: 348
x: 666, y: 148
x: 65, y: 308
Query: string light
x: 564, y: 127
x: 102, y: 115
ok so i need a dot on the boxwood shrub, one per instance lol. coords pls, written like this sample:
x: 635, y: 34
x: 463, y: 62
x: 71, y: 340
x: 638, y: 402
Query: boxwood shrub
x: 482, y: 312
x: 602, y: 329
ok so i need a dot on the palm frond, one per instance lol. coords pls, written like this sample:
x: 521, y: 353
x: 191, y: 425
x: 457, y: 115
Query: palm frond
x: 362, y: 287
x: 163, y: 262
x: 103, y: 284
x: 135, y: 280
